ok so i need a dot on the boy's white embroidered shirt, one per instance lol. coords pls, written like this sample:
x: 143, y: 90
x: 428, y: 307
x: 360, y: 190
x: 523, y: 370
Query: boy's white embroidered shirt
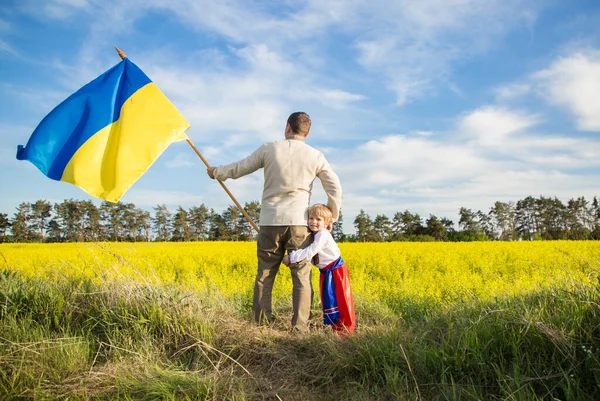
x: 324, y: 245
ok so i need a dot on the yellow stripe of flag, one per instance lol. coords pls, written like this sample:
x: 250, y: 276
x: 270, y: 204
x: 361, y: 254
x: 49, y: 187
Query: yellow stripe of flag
x: 108, y: 163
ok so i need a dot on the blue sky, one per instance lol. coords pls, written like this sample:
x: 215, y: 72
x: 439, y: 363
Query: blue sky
x: 427, y: 105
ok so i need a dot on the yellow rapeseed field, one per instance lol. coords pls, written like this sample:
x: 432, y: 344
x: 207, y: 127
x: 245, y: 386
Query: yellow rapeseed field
x: 380, y: 272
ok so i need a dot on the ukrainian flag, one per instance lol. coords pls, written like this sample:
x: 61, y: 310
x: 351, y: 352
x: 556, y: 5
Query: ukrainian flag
x: 107, y: 134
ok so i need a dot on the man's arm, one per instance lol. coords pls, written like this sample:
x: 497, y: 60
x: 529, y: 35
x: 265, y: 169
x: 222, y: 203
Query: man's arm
x: 333, y: 188
x: 240, y: 168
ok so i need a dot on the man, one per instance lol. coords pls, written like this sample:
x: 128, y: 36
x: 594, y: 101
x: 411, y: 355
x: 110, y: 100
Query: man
x: 290, y: 167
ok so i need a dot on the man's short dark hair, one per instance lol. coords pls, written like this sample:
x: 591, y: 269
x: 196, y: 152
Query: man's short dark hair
x: 299, y: 123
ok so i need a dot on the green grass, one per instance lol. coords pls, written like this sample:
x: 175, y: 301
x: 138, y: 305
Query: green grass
x: 74, y: 340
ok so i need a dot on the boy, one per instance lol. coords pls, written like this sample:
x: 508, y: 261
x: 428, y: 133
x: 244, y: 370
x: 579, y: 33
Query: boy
x: 336, y: 295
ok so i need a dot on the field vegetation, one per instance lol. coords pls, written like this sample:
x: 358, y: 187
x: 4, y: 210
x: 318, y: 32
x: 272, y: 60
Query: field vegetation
x: 171, y: 321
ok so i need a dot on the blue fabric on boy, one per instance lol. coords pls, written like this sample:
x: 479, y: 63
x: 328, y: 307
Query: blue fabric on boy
x: 331, y: 312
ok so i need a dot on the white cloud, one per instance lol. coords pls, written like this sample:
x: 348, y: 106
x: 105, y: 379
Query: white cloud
x: 557, y: 152
x: 375, y: 53
x: 574, y: 82
x: 492, y: 125
x: 335, y: 98
x: 265, y: 60
x: 410, y: 163
x: 341, y: 96
x: 210, y: 153
x: 423, y: 133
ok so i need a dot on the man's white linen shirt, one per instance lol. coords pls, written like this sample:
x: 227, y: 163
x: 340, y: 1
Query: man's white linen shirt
x: 290, y: 167
x: 324, y: 245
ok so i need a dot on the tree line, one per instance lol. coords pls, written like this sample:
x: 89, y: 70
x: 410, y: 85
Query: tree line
x: 542, y: 218
x: 83, y: 221
x: 72, y: 220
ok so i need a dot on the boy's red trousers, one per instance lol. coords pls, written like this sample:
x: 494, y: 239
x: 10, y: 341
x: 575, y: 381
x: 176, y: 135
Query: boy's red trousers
x: 336, y: 297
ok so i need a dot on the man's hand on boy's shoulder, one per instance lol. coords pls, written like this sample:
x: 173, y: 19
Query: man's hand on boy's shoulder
x: 286, y: 260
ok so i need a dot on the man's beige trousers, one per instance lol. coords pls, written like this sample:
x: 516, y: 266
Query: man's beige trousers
x: 273, y: 242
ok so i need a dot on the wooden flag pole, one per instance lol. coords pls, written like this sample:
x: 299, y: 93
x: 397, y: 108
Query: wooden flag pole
x: 252, y: 223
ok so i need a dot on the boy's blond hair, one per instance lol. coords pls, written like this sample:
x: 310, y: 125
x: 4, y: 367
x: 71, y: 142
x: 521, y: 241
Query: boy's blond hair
x: 320, y: 210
